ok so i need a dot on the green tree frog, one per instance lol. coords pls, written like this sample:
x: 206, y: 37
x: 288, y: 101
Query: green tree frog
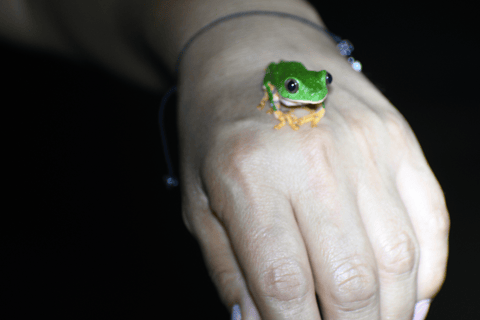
x: 289, y: 84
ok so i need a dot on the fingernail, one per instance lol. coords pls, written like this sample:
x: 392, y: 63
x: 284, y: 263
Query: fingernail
x: 236, y: 314
x: 421, y: 309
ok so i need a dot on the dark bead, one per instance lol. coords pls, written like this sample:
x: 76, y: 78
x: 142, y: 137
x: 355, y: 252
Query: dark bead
x: 170, y: 181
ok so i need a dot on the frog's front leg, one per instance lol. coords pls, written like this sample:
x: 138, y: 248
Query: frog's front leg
x: 263, y: 101
x: 318, y: 116
x: 271, y: 95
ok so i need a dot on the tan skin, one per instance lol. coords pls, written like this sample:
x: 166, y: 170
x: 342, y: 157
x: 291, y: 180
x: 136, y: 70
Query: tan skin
x: 349, y: 210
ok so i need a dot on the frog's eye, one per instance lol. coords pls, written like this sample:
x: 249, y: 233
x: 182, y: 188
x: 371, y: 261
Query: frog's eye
x: 328, y: 78
x: 291, y: 85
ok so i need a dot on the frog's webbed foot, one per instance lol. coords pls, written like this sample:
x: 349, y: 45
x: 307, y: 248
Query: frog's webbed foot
x: 280, y: 116
x: 314, y: 117
x: 292, y: 120
x: 317, y: 116
x: 286, y: 117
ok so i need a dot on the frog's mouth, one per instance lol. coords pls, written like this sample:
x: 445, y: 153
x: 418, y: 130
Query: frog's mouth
x: 290, y: 102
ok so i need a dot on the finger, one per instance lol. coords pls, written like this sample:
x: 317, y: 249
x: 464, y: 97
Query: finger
x: 271, y: 253
x: 219, y: 258
x: 426, y: 207
x: 275, y: 262
x: 394, y: 243
x: 383, y: 213
x: 342, y: 259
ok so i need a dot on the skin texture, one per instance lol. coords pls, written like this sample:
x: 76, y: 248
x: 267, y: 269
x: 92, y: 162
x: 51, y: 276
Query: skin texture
x: 348, y: 211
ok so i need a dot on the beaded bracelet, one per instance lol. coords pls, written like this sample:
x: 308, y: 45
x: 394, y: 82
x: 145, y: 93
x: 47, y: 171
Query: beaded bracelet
x: 344, y: 46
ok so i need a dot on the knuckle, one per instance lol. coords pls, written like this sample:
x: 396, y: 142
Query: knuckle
x: 285, y: 280
x: 320, y: 148
x: 355, y: 283
x: 363, y: 124
x: 233, y: 152
x: 437, y: 221
x: 443, y: 223
x: 322, y: 138
x: 224, y: 280
x: 398, y: 255
x: 440, y: 221
x: 395, y: 123
x: 439, y: 225
x: 367, y: 132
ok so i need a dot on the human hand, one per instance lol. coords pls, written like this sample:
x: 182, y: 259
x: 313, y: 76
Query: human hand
x: 349, y: 210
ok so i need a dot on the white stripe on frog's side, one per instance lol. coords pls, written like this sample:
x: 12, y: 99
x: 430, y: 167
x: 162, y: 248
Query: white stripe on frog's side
x: 283, y: 103
x: 289, y: 102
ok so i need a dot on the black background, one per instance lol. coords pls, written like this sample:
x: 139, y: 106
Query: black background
x: 93, y: 232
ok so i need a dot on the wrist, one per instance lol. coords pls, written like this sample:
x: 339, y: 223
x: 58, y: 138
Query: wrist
x: 231, y: 68
x: 170, y: 24
x: 213, y: 65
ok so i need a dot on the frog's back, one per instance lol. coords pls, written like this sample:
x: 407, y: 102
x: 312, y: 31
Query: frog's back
x: 277, y: 71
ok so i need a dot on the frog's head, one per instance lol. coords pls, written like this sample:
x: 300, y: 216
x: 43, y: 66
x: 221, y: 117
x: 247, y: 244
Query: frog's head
x: 297, y: 85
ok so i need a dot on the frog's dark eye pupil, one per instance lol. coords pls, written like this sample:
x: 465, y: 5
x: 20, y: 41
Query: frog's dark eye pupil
x: 291, y: 85
x: 328, y: 78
